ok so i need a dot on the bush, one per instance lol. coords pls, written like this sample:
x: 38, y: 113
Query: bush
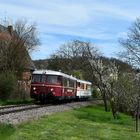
x: 96, y: 93
x: 8, y: 84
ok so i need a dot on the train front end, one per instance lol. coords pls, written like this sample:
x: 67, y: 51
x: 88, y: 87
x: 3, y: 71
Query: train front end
x: 45, y: 86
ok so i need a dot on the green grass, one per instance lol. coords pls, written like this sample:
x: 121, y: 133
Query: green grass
x: 13, y: 102
x: 89, y: 123
x: 6, y: 131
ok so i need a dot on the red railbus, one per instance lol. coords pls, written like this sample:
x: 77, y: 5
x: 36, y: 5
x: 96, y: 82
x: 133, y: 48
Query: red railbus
x: 50, y: 85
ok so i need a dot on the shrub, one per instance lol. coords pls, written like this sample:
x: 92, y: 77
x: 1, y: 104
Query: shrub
x: 96, y: 93
x: 8, y: 84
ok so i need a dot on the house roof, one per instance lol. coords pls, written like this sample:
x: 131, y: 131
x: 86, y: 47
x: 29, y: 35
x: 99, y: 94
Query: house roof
x: 30, y: 64
x: 3, y: 29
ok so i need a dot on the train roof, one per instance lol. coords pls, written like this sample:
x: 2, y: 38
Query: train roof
x: 51, y: 72
x: 85, y: 82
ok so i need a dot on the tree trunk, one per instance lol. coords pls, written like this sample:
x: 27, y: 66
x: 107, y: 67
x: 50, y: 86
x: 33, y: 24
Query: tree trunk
x: 137, y: 116
x: 105, y: 101
x: 136, y: 122
x: 114, y: 111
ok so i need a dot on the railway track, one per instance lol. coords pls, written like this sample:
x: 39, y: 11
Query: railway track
x: 17, y: 114
x: 12, y: 106
x: 18, y: 108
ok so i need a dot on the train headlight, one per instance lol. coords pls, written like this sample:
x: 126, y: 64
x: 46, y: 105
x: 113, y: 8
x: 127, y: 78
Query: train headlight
x: 34, y: 88
x: 52, y: 89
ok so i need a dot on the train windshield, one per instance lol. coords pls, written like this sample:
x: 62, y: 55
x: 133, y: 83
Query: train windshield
x: 39, y: 78
x: 54, y: 79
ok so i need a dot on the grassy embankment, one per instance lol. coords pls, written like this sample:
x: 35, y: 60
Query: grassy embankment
x: 89, y: 123
x: 14, y: 102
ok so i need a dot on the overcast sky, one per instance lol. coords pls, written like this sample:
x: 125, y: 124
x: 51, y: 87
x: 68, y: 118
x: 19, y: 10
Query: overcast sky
x: 101, y: 22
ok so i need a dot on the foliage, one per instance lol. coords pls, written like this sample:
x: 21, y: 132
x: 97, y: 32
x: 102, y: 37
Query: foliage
x: 96, y: 93
x: 10, y: 89
x: 130, y: 89
x: 8, y: 84
x: 77, y: 74
x: 106, y: 76
x: 15, y: 101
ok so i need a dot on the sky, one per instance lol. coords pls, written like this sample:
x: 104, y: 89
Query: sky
x: 102, y: 22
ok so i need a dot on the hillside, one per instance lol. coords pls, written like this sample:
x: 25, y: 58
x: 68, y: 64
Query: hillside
x: 45, y: 63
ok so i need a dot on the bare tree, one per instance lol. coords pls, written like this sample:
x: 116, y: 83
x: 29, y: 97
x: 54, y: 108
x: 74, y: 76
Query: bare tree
x: 71, y: 58
x: 71, y: 49
x: 26, y: 34
x: 131, y: 85
x: 106, y: 78
x: 16, y: 42
x: 131, y: 44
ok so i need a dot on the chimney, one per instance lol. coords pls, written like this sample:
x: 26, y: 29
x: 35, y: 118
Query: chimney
x: 10, y: 29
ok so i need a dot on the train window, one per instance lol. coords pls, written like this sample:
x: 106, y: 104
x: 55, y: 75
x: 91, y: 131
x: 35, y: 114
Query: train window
x: 64, y: 81
x: 43, y: 78
x: 38, y: 78
x: 52, y: 79
x: 89, y: 87
x: 68, y: 83
x: 71, y: 83
x: 82, y: 86
x: 59, y: 78
x: 78, y: 84
x: 85, y: 86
